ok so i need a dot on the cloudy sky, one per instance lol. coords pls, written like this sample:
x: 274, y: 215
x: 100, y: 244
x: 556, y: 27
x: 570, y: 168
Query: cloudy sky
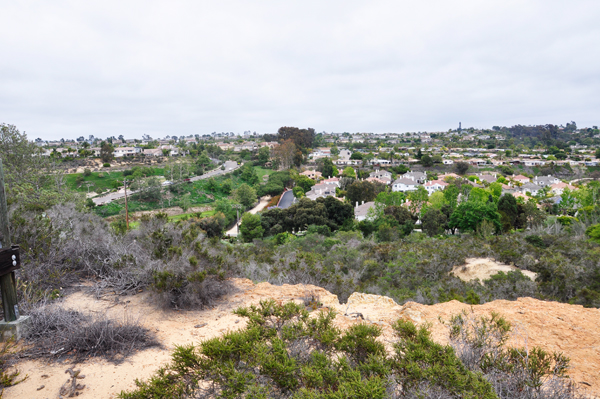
x: 72, y: 68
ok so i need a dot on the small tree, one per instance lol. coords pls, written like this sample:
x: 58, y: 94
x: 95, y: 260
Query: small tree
x: 298, y: 192
x: 461, y: 168
x: 245, y: 195
x: 251, y: 227
x: 329, y: 169
x: 427, y: 161
x: 349, y: 172
x: 433, y: 222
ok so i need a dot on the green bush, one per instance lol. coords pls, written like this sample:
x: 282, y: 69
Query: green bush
x: 285, y: 352
x: 106, y: 165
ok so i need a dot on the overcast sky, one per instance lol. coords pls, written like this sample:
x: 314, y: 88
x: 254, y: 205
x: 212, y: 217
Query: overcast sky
x: 71, y: 68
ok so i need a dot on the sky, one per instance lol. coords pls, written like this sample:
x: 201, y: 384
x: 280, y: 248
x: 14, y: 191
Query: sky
x: 106, y: 68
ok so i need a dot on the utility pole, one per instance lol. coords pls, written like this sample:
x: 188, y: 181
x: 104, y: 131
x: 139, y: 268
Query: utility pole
x: 126, y: 208
x: 89, y: 184
x: 237, y: 224
x: 7, y: 280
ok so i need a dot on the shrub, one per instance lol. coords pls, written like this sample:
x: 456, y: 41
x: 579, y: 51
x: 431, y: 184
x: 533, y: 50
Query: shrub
x: 7, y: 377
x: 60, y: 333
x: 514, y: 373
x: 87, y: 172
x: 594, y: 233
x: 282, y: 352
x: 536, y: 241
x: 106, y: 165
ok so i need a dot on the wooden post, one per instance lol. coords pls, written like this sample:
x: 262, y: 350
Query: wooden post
x: 7, y: 282
x: 126, y: 208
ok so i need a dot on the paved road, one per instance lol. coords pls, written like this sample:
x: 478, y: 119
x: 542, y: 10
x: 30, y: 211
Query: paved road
x: 230, y: 166
x: 286, y: 199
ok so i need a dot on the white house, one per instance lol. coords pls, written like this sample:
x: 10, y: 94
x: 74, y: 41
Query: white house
x: 333, y: 181
x: 435, y: 185
x: 126, y: 151
x: 405, y: 184
x: 361, y: 211
x: 544, y: 181
x: 380, y: 174
x: 153, y: 152
x: 448, y: 162
x: 532, y: 188
x: 419, y: 177
x: 559, y: 188
x: 321, y: 190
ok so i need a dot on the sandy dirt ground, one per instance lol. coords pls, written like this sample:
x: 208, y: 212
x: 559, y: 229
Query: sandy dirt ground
x: 570, y: 329
x: 484, y: 268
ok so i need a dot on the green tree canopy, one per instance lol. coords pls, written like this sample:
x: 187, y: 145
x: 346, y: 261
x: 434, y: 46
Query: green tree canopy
x: 433, y: 222
x: 329, y: 169
x: 305, y: 182
x: 245, y: 195
x: 362, y: 190
x: 249, y: 174
x: 349, y: 172
x: 264, y: 154
x: 469, y: 215
x: 251, y: 227
x: 507, y: 207
x: 461, y: 168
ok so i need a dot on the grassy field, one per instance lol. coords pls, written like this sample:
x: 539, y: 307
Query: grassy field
x: 190, y: 194
x: 262, y: 171
x: 109, y: 180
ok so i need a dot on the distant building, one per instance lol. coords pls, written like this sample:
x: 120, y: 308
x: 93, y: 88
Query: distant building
x: 313, y: 174
x: 419, y: 177
x: 532, y: 188
x: 361, y: 211
x: 544, y: 181
x: 120, y: 152
x: 321, y: 190
x: 405, y: 184
x: 435, y: 185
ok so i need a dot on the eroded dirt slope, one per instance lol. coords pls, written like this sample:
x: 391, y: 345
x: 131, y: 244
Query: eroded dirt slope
x: 553, y: 326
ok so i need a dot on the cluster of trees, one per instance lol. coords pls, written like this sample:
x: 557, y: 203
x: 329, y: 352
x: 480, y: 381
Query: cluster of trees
x: 327, y: 211
x: 459, y: 207
x: 294, y: 144
x: 32, y: 181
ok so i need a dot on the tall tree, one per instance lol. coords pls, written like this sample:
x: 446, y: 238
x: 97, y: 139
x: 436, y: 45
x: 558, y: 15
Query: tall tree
x: 32, y: 180
x: 362, y: 190
x: 433, y: 222
x: 507, y: 207
x: 245, y: 195
x: 302, y: 138
x: 264, y: 154
x: 106, y: 152
x: 461, y: 168
x: 284, y: 153
x: 469, y: 215
x: 329, y: 169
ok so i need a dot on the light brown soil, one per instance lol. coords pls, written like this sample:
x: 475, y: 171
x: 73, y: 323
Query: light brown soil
x: 484, y: 268
x: 570, y: 329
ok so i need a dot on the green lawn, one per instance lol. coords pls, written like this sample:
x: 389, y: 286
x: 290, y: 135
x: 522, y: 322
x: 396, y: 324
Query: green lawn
x: 185, y: 216
x: 260, y: 171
